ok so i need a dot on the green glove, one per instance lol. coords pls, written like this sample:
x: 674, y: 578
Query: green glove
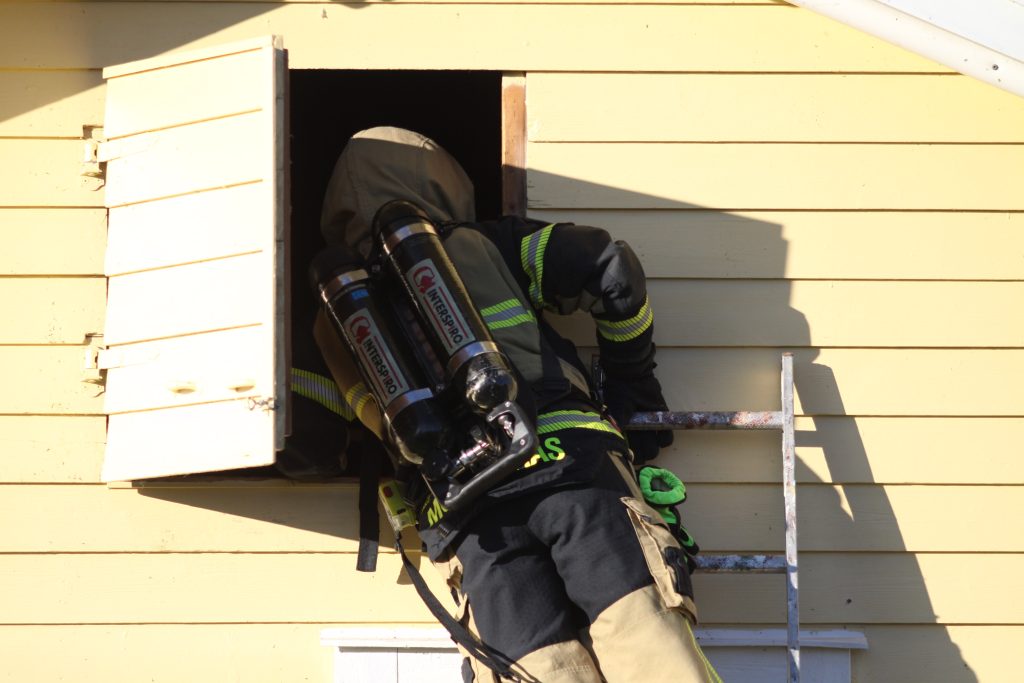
x: 663, y: 491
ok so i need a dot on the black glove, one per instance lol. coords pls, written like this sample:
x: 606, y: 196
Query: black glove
x: 641, y: 394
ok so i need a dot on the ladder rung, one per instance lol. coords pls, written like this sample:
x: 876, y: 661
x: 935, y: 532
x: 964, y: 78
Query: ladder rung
x: 742, y: 564
x: 740, y: 419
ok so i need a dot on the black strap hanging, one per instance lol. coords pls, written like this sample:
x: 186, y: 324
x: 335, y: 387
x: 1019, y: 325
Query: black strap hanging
x: 369, y: 514
x: 487, y: 655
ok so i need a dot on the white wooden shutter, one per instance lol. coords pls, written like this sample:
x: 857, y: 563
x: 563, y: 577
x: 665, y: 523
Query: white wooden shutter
x: 196, y: 321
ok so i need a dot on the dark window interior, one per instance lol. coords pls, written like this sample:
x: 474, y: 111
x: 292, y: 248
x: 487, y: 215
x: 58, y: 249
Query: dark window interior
x: 460, y: 110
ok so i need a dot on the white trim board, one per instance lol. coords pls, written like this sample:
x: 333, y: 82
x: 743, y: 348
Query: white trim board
x: 426, y: 655
x: 980, y: 39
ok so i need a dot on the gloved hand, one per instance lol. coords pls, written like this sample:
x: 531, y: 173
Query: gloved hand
x: 642, y: 394
x: 664, y: 492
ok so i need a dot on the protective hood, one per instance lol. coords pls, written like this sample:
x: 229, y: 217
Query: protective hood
x: 381, y: 164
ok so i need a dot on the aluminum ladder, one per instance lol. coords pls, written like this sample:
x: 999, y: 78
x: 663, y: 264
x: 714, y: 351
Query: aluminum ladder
x: 745, y: 564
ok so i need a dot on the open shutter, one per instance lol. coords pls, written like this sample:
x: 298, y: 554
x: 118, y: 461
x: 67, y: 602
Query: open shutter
x: 196, y: 323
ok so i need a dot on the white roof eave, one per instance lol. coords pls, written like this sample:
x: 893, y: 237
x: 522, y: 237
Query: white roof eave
x: 980, y: 38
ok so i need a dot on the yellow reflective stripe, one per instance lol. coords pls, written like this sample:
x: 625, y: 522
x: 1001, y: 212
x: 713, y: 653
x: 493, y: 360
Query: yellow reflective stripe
x: 573, y: 419
x: 321, y: 389
x: 505, y: 305
x: 531, y: 255
x: 357, y: 397
x: 631, y: 328
x: 508, y: 313
x: 713, y: 676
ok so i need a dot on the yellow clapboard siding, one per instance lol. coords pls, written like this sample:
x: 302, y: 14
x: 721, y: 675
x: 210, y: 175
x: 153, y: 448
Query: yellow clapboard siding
x: 939, y: 654
x: 51, y: 449
x: 202, y: 156
x: 129, y: 654
x: 955, y: 382
x: 282, y: 518
x: 816, y: 244
x: 822, y: 313
x: 882, y: 450
x: 51, y: 310
x: 324, y: 518
x: 774, y: 176
x: 224, y: 587
x: 191, y: 298
x: 604, y: 38
x: 848, y: 381
x: 292, y: 652
x: 769, y: 107
x: 42, y: 173
x: 52, y: 241
x: 180, y: 230
x: 861, y: 518
x: 829, y: 449
x: 49, y: 381
x: 51, y: 104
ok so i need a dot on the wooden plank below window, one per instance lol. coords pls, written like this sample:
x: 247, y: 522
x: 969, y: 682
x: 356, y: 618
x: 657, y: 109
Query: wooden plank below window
x: 321, y: 518
x: 858, y: 588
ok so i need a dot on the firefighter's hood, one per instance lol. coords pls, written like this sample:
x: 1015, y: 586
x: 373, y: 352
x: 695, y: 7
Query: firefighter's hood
x: 381, y: 164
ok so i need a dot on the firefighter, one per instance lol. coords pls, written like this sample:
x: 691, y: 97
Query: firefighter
x: 562, y: 568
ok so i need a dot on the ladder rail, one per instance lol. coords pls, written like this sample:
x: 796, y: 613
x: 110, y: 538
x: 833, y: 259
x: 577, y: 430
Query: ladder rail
x: 782, y: 420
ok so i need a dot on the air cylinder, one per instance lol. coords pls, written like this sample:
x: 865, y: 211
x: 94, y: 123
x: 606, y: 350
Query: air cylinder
x: 473, y: 364
x: 416, y: 421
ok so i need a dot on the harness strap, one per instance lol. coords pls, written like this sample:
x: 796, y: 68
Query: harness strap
x: 480, y: 651
x: 573, y: 419
x: 369, y: 513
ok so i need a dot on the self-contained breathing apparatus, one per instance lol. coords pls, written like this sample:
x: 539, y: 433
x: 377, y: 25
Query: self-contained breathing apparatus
x: 446, y: 391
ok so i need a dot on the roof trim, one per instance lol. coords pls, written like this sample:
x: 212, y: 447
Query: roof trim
x: 979, y: 39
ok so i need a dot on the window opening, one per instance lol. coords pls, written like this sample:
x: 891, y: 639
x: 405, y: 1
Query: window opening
x: 461, y: 110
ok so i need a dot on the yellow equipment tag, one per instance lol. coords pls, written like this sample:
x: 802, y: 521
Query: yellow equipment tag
x: 400, y: 515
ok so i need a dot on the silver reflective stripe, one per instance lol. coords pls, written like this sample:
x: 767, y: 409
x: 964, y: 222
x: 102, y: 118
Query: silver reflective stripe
x: 467, y: 352
x: 339, y: 282
x: 405, y: 232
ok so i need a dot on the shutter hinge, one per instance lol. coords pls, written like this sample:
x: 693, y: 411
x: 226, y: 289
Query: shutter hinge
x: 92, y: 372
x: 99, y: 359
x: 92, y: 164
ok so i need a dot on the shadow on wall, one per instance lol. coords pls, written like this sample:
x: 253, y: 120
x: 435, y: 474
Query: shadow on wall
x: 699, y: 243
x: 53, y: 36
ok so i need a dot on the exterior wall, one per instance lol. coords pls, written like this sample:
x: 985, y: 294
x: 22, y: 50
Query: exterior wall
x: 788, y: 182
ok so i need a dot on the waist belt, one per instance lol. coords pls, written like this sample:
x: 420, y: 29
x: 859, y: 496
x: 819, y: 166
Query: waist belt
x: 558, y: 420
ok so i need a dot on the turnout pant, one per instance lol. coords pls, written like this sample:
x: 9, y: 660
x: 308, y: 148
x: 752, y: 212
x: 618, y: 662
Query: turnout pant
x: 578, y: 584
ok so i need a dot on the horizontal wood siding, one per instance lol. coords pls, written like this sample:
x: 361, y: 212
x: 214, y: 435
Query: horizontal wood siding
x: 825, y: 214
x: 614, y: 37
x: 789, y: 184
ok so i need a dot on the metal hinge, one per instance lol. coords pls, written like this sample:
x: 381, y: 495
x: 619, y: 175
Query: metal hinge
x: 92, y: 371
x: 92, y: 163
x: 99, y: 359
